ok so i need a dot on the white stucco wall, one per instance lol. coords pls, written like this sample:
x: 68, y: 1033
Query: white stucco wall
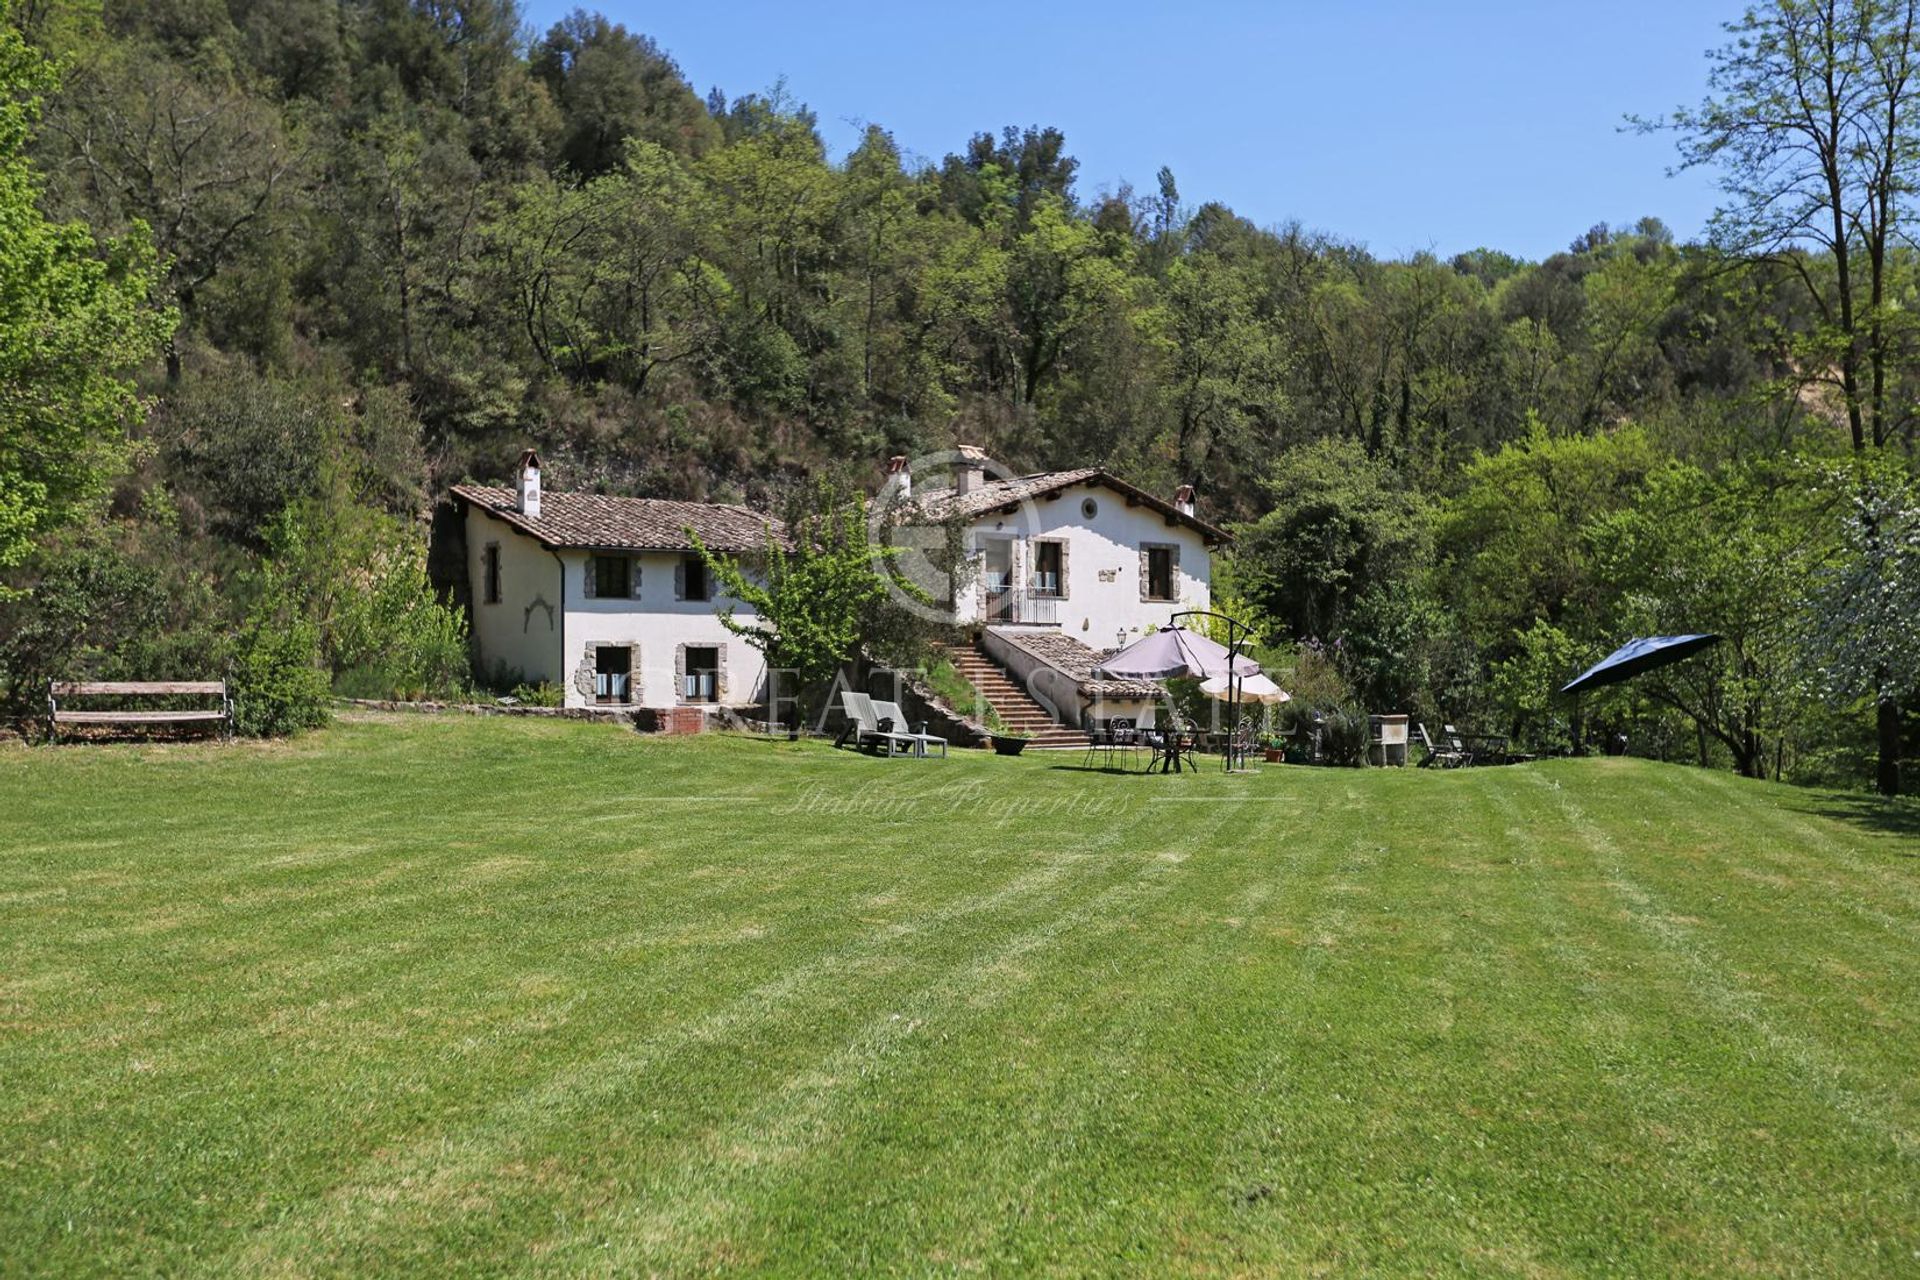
x: 523, y: 629
x: 659, y: 624
x: 1096, y: 607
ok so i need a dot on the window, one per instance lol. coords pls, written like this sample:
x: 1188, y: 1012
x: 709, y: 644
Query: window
x: 1159, y: 573
x: 694, y: 578
x: 612, y: 576
x: 701, y: 683
x: 490, y: 591
x: 1048, y: 577
x: 1089, y: 508
x: 612, y: 673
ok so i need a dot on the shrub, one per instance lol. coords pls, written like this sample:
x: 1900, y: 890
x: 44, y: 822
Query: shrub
x: 278, y: 686
x: 539, y: 695
x: 1343, y: 737
x: 955, y: 690
x: 121, y: 601
x: 362, y: 577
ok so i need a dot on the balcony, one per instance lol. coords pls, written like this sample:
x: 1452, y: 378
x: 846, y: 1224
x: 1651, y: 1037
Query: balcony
x: 1011, y: 606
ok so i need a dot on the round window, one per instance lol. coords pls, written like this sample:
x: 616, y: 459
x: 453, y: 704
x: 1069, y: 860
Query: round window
x: 1089, y: 508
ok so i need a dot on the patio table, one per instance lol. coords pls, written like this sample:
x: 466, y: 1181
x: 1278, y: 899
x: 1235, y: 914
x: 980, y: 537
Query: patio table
x: 1172, y: 751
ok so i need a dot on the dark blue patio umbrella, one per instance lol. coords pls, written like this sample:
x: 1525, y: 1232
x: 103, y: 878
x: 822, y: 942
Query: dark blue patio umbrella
x: 1637, y: 656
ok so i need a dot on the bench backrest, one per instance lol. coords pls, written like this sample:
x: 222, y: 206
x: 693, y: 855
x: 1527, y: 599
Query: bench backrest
x: 84, y: 688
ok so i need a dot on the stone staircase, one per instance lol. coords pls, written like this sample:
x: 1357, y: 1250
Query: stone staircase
x: 1015, y: 707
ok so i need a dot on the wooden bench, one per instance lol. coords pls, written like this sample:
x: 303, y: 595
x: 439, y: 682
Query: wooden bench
x: 58, y: 715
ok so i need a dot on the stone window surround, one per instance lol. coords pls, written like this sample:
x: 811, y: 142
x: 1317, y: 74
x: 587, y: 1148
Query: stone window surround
x: 680, y: 578
x: 1173, y: 572
x: 719, y: 675
x: 588, y: 668
x: 1066, y: 550
x: 590, y: 585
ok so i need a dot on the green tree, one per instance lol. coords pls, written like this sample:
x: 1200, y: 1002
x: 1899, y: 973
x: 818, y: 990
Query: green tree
x: 811, y: 594
x: 1513, y: 544
x: 1059, y: 285
x: 1340, y: 524
x: 1729, y: 553
x: 612, y: 85
x: 1813, y: 119
x: 1227, y: 362
x: 75, y: 315
x: 179, y: 148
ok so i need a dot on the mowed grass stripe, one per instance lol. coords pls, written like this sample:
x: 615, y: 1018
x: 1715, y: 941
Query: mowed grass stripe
x: 785, y: 1019
x: 993, y: 1132
x: 1793, y: 945
x: 428, y: 994
x: 1660, y: 1164
x: 1819, y: 1072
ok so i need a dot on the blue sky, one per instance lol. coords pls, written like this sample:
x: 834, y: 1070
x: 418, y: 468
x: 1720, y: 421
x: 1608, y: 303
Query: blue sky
x: 1402, y: 125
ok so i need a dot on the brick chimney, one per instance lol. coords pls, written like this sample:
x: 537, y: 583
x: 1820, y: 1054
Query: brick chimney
x: 1183, y: 499
x: 527, y: 485
x: 970, y: 472
x: 899, y: 476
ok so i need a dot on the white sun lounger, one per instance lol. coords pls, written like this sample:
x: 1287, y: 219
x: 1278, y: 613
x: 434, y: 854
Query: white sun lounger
x: 923, y: 739
x: 866, y: 726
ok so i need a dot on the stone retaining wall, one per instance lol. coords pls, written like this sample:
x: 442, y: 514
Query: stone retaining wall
x: 612, y: 714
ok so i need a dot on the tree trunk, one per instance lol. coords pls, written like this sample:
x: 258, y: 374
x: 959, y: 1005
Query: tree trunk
x: 1887, y: 717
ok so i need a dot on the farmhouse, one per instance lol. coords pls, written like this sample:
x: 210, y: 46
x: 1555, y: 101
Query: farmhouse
x: 607, y: 597
x: 1067, y: 566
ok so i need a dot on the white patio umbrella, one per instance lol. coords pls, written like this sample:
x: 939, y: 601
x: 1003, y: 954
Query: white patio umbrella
x: 1254, y: 688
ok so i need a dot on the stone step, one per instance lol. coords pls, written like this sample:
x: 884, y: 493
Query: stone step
x: 1013, y: 706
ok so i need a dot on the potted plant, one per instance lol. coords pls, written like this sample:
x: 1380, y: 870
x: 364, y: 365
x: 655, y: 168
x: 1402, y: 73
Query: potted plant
x: 1006, y: 741
x: 1275, y: 748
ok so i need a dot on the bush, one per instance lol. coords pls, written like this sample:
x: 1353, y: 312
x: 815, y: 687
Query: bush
x: 1343, y: 737
x: 954, y: 689
x: 123, y: 601
x: 278, y: 686
x: 362, y: 576
x: 539, y: 695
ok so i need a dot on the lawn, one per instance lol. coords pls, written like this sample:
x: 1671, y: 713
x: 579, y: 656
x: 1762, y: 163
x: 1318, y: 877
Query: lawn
x: 469, y: 996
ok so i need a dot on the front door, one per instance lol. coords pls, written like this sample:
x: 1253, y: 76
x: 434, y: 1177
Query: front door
x: 997, y: 573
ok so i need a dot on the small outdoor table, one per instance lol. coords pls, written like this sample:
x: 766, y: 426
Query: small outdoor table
x: 1172, y: 751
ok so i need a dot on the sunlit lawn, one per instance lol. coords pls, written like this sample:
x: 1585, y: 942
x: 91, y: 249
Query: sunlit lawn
x: 484, y: 996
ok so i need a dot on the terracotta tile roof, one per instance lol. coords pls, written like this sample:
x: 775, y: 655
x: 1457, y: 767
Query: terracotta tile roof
x: 1069, y: 656
x: 947, y: 504
x: 596, y: 521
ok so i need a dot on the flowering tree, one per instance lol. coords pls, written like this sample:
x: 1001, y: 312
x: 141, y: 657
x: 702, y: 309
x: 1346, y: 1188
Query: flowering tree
x: 1865, y: 623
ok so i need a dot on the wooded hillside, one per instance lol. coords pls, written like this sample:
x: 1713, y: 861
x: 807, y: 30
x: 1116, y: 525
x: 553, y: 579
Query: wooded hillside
x: 395, y: 241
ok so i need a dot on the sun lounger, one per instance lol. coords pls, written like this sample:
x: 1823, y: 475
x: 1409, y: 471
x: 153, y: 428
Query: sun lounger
x: 1449, y: 753
x: 864, y: 726
x: 890, y: 714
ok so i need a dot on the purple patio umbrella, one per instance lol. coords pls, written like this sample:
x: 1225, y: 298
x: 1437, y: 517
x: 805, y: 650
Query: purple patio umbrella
x: 1171, y: 654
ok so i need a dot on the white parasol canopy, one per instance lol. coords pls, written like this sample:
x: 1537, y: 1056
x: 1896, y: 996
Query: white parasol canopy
x: 1253, y: 688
